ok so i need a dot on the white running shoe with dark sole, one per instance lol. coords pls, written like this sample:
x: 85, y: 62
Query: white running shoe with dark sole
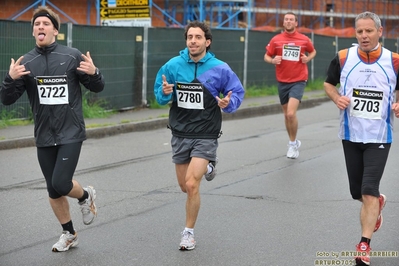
x: 187, y: 241
x: 66, y: 241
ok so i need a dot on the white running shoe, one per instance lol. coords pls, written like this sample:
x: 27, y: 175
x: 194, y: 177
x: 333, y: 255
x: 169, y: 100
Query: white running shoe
x: 187, y: 241
x: 211, y: 175
x: 293, y: 150
x: 88, y: 207
x: 66, y: 241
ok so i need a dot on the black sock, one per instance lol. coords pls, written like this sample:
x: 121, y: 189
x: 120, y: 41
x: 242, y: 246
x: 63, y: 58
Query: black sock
x: 68, y: 227
x: 85, y: 196
x: 365, y: 239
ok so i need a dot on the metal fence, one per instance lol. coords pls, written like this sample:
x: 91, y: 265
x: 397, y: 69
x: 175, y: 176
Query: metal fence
x: 130, y: 57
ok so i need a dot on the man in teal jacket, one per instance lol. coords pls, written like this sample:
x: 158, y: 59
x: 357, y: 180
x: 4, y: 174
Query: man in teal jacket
x: 193, y: 82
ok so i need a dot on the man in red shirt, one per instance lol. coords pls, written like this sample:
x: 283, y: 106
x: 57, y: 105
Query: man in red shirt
x: 290, y: 51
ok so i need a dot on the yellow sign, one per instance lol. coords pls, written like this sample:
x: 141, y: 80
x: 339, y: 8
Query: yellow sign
x: 125, y: 12
x: 103, y: 3
x: 121, y: 9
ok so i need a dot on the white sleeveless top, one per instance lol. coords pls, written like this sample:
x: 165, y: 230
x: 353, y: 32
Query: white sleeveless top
x: 371, y: 88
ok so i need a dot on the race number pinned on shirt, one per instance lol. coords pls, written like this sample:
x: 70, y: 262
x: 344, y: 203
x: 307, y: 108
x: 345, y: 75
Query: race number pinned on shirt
x: 190, y: 95
x: 291, y: 52
x: 366, y: 104
x: 52, y: 89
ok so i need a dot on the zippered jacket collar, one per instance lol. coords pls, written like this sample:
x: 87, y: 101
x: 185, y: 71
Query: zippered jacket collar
x: 47, y: 49
x: 185, y: 55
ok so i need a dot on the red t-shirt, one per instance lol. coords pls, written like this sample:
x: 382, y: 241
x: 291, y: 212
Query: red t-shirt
x: 290, y: 47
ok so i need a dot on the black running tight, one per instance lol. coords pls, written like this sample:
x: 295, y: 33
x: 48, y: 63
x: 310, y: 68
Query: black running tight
x: 365, y: 164
x: 58, y: 165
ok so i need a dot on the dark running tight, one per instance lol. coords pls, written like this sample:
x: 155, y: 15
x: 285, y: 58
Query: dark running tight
x: 58, y: 165
x: 365, y: 163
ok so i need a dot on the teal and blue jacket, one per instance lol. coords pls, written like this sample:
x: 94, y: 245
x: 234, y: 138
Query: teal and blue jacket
x: 216, y: 77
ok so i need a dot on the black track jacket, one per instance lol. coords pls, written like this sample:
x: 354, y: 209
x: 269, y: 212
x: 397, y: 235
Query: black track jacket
x: 53, y: 74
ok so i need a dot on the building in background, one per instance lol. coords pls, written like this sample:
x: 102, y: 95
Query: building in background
x: 328, y: 17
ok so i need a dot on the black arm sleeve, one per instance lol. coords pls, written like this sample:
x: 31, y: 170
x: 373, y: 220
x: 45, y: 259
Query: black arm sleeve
x: 397, y: 82
x: 11, y: 90
x: 334, y: 72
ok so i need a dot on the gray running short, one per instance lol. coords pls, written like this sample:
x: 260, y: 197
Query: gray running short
x: 291, y: 90
x: 184, y: 149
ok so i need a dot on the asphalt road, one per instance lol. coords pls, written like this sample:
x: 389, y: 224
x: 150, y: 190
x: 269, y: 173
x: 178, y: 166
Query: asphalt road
x: 261, y: 209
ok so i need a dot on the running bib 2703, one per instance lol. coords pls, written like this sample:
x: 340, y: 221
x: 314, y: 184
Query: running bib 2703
x: 366, y: 104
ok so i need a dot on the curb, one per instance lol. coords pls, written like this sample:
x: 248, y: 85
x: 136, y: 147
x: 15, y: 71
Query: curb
x: 153, y: 124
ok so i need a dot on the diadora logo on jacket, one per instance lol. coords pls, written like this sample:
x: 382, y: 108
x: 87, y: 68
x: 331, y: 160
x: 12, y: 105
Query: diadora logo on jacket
x: 51, y: 81
x: 189, y: 87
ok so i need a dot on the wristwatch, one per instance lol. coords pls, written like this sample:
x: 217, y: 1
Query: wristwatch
x: 97, y: 72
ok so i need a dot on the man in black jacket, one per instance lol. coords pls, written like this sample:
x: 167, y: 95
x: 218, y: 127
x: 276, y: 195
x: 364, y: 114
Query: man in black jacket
x: 51, y: 75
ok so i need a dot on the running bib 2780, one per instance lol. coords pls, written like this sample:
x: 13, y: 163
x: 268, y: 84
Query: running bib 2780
x: 190, y: 95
